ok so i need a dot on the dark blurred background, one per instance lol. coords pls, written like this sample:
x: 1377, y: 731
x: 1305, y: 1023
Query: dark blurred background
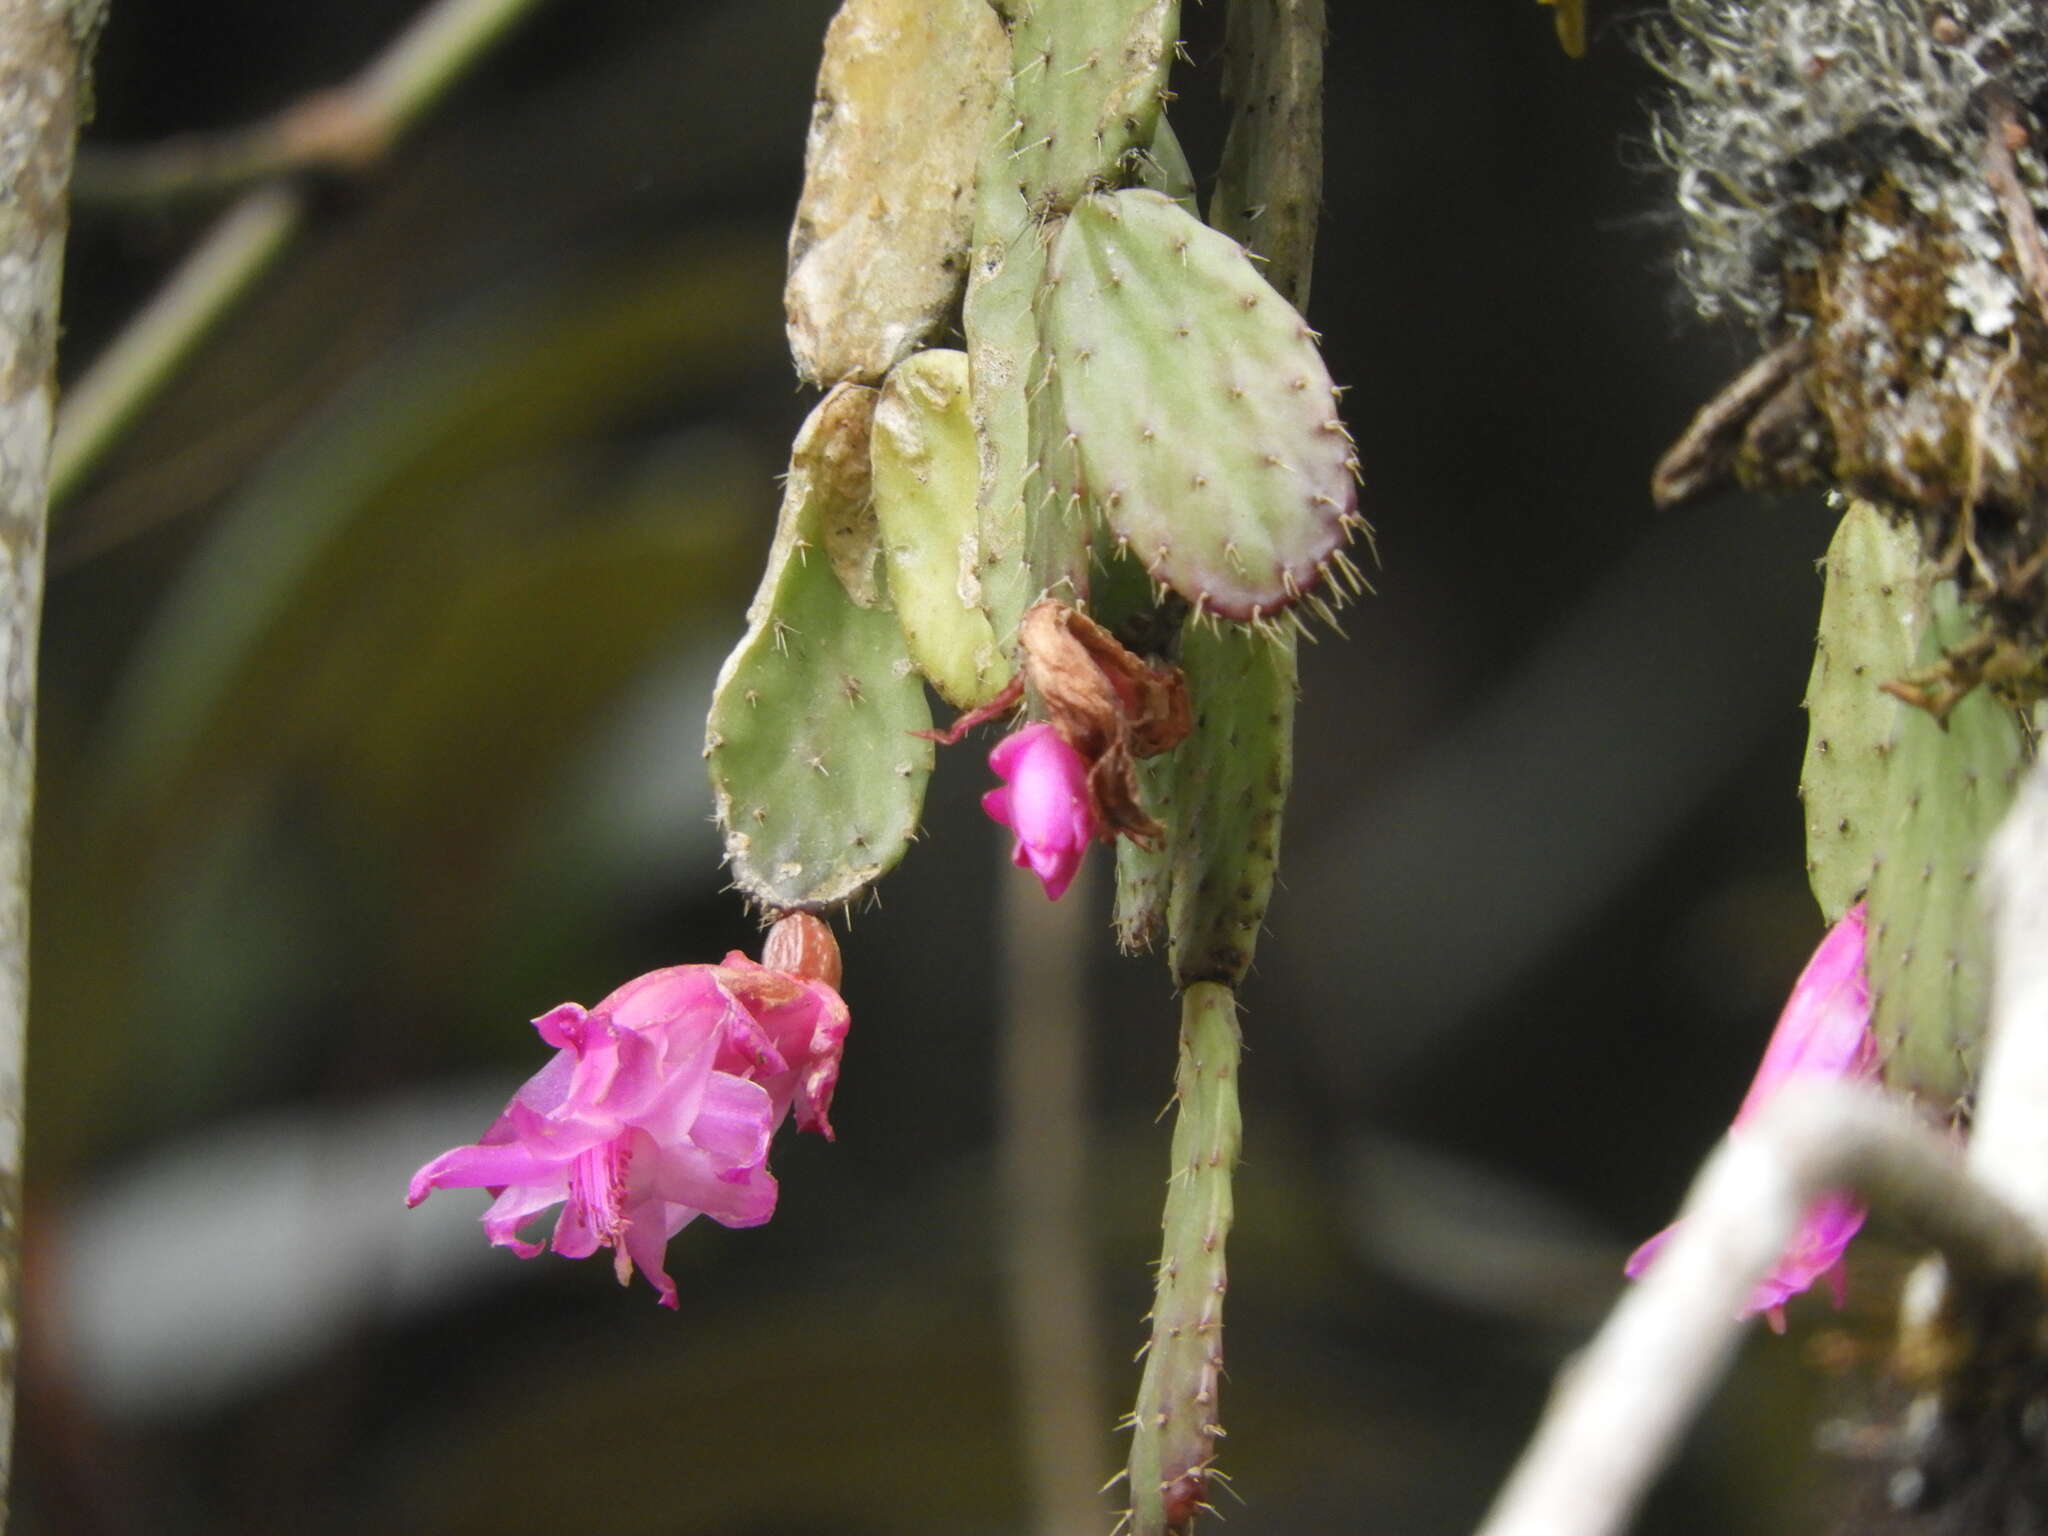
x: 375, y: 669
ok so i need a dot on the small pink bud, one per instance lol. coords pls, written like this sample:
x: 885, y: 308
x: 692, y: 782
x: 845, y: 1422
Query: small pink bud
x: 1823, y: 1032
x: 1045, y: 801
x: 801, y: 945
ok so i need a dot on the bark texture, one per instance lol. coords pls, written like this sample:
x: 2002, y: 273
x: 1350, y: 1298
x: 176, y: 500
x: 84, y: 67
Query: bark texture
x: 42, y: 47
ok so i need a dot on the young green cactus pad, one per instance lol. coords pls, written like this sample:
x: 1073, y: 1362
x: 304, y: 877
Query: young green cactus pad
x: 1198, y: 413
x: 1229, y: 789
x: 925, y: 473
x: 1087, y: 78
x: 1057, y: 545
x: 1928, y: 956
x: 1002, y: 342
x: 1221, y: 796
x: 1869, y: 621
x: 816, y: 775
x: 1174, y: 1427
x: 879, y: 247
x: 1269, y: 187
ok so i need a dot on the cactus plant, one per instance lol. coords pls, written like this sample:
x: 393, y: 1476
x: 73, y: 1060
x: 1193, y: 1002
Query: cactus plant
x: 1198, y: 414
x: 1269, y: 187
x: 1147, y: 412
x: 1174, y: 1427
x: 1221, y: 795
x: 925, y: 473
x: 877, y: 252
x: 1088, y: 77
x: 1007, y: 265
x: 1900, y: 804
x: 1947, y: 788
x: 817, y: 777
x: 1230, y: 783
x: 1868, y: 624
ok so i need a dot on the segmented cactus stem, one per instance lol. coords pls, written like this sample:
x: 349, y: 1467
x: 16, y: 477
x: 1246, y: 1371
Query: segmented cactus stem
x: 1175, y: 1426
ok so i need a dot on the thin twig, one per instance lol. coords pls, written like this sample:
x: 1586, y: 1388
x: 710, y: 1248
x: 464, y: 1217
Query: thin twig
x: 322, y: 131
x: 1704, y: 454
x: 1620, y: 1408
x: 162, y: 337
x: 347, y: 128
x: 351, y: 128
x: 2006, y: 134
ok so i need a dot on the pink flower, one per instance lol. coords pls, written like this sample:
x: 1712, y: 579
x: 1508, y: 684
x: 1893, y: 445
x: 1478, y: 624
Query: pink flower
x: 657, y: 1108
x: 1823, y: 1032
x: 1045, y: 802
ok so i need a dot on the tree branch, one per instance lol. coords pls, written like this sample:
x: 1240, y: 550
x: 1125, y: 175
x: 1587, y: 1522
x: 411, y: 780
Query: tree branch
x: 41, y: 65
x: 349, y: 128
x: 1620, y: 1408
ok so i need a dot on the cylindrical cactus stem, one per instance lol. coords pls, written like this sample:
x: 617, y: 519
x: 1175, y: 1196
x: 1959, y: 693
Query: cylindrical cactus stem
x: 1175, y: 1426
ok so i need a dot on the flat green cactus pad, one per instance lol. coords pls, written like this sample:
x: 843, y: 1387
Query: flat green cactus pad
x: 879, y: 247
x: 1198, y: 411
x: 1221, y: 795
x: 1176, y: 1424
x: 1869, y: 627
x: 1058, y: 525
x: 925, y: 473
x: 1230, y: 782
x: 1269, y: 186
x: 816, y: 775
x: 1002, y: 351
x: 1929, y: 950
x: 1087, y: 78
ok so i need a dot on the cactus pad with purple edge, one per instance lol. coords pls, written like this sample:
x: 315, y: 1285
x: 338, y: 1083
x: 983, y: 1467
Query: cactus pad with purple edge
x: 817, y: 777
x: 1201, y: 420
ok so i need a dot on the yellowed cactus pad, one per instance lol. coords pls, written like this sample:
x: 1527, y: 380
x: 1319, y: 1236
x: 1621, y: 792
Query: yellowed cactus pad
x: 878, y: 252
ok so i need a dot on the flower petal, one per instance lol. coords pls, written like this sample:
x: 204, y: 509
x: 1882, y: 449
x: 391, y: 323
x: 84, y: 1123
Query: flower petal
x: 730, y: 1197
x: 1824, y: 1031
x: 480, y: 1167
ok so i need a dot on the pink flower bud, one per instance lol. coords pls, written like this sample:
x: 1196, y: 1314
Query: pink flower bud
x: 1823, y: 1032
x: 1045, y: 802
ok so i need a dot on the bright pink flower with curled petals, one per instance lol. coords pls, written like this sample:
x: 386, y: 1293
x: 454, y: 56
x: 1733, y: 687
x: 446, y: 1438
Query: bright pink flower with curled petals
x: 1045, y: 802
x: 657, y: 1108
x: 1823, y: 1032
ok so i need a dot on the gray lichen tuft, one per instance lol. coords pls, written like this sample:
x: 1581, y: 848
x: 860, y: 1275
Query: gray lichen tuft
x: 1865, y: 184
x: 1790, y: 111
